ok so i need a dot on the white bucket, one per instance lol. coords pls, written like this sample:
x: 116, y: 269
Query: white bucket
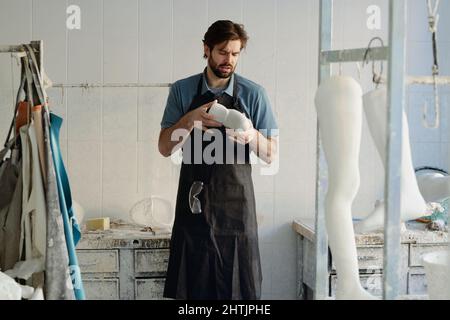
x: 437, y: 269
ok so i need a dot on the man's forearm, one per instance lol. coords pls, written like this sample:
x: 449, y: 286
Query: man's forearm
x: 264, y: 148
x: 165, y: 144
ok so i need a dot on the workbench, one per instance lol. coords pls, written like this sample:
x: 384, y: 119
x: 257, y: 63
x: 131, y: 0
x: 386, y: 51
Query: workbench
x: 126, y: 262
x: 415, y: 241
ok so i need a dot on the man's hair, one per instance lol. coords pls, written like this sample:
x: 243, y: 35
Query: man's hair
x: 224, y: 30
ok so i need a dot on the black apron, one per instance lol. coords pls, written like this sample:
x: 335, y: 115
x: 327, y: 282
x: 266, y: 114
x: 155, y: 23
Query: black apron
x: 214, y: 254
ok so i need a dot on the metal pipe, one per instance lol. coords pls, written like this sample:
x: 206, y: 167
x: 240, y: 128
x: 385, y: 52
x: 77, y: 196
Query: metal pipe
x: 7, y: 49
x: 321, y: 239
x: 353, y: 55
x: 440, y: 80
x: 109, y: 85
x: 396, y: 100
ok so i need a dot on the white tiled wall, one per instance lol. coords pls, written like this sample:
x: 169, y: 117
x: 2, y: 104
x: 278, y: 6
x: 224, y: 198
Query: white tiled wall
x: 120, y: 41
x: 187, y: 34
x: 85, y: 46
x: 155, y: 41
x: 429, y: 146
x: 109, y: 136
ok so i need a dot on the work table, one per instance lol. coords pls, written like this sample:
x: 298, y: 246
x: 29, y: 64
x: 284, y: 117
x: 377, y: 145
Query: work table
x: 124, y: 262
x: 415, y: 241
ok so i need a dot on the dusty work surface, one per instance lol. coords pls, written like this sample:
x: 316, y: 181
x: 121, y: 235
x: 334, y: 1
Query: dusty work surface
x: 124, y: 235
x: 415, y: 232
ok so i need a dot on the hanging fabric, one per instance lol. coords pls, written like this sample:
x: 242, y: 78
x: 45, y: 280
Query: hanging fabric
x: 66, y: 201
x: 60, y: 224
x: 71, y: 228
x: 11, y: 206
x: 34, y: 214
x: 38, y: 231
x: 37, y: 225
x: 11, y: 192
x: 57, y: 273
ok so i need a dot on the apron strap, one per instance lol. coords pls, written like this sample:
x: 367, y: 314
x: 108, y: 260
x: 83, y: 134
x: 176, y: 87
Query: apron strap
x: 21, y: 89
x: 9, y: 145
x: 204, y: 171
x: 26, y: 78
x: 236, y: 104
x: 36, y: 74
x: 29, y: 90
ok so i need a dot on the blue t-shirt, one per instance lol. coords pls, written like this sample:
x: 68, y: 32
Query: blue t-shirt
x: 252, y: 97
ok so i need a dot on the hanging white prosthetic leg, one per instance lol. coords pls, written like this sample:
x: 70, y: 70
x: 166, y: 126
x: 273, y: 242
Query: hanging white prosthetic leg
x: 413, y: 205
x: 339, y: 110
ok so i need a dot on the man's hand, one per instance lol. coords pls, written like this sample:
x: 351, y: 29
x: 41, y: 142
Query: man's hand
x: 200, y: 114
x: 242, y: 137
x: 167, y: 145
x: 265, y: 148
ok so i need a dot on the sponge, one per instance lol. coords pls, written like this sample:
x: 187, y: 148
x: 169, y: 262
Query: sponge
x: 98, y: 224
x: 230, y: 118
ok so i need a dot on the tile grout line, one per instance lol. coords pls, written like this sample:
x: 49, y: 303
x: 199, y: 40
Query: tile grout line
x: 137, y: 149
x: 102, y: 102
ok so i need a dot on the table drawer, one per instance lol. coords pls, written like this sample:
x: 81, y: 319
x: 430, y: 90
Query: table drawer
x: 309, y: 263
x: 149, y: 289
x: 372, y: 283
x: 151, y: 261
x: 370, y: 257
x: 98, y: 261
x: 101, y: 289
x: 417, y: 282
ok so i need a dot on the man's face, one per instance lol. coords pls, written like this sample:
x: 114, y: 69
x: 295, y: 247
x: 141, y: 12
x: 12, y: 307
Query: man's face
x: 222, y: 59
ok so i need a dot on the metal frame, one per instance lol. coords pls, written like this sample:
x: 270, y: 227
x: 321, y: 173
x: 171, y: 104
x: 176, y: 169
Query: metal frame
x: 395, y: 104
x: 111, y: 85
x: 12, y: 48
x: 395, y: 55
x: 321, y: 239
x: 37, y: 45
x: 38, y: 48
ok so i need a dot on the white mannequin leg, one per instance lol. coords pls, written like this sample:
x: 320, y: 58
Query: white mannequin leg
x: 413, y: 205
x: 338, y: 103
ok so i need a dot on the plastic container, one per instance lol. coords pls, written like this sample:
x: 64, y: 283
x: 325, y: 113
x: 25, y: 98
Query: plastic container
x: 437, y: 270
